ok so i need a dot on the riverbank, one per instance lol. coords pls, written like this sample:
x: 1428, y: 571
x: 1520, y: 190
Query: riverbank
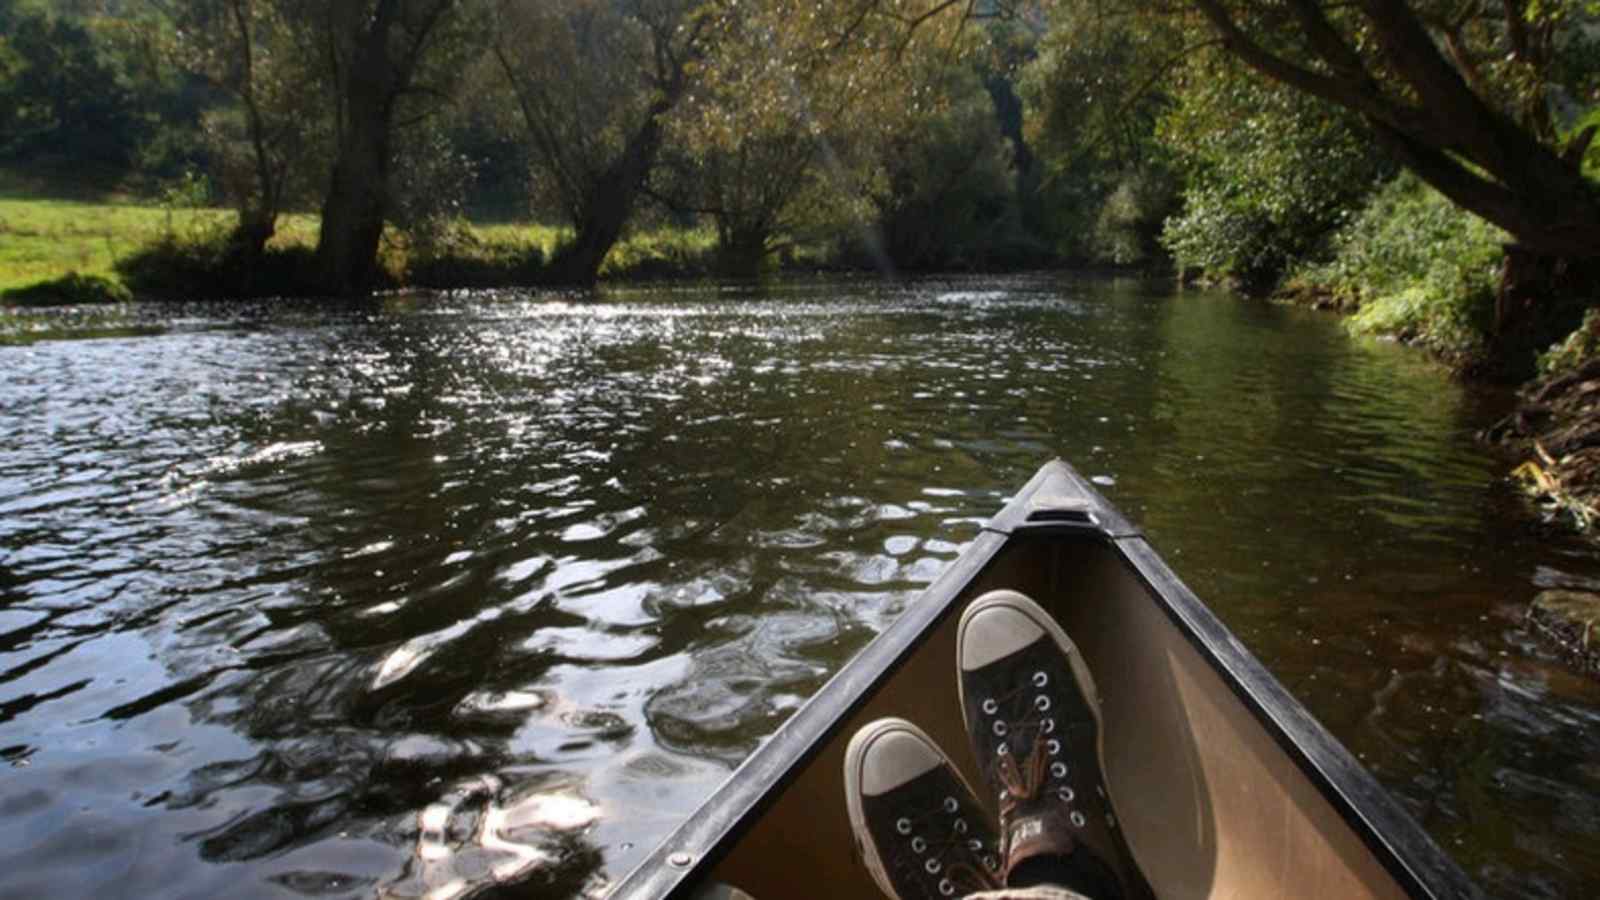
x: 73, y: 251
x: 1555, y: 429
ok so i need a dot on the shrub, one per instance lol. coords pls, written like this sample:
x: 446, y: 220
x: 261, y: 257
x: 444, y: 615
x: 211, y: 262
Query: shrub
x: 1269, y: 174
x: 210, y: 266
x: 460, y: 257
x: 1419, y: 267
x: 1127, y: 228
x: 71, y: 289
x: 1582, y: 345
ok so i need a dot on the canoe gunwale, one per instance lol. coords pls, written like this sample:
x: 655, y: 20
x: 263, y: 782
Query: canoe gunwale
x: 1397, y: 841
x: 1055, y: 503
x: 696, y: 846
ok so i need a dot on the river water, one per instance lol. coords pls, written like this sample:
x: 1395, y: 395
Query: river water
x: 445, y: 593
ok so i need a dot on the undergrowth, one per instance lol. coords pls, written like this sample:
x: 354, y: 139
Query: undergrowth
x: 1415, y: 267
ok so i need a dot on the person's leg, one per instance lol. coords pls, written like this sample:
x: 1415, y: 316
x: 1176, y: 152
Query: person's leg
x: 1041, y: 892
x: 920, y: 830
x: 1033, y: 715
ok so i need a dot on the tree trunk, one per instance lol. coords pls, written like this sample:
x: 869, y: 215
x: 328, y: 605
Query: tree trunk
x: 1541, y: 299
x: 353, y: 213
x: 742, y: 251
x: 250, y: 235
x: 607, y: 208
x: 1454, y: 139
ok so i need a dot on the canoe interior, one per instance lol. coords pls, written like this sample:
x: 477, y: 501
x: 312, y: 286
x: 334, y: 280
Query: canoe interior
x: 1224, y: 784
x: 1212, y: 805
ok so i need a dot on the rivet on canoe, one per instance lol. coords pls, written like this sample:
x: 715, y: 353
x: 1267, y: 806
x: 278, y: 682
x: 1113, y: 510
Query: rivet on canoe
x: 680, y: 860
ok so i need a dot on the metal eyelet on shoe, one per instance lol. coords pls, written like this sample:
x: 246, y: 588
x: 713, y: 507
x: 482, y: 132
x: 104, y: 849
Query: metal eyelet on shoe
x: 1002, y: 749
x: 950, y: 805
x: 1066, y: 794
x: 992, y: 863
x: 903, y: 825
x: 1041, y: 703
x: 946, y: 889
x: 1047, y: 725
x: 1077, y: 819
x: 933, y: 866
x: 1040, y: 679
x: 1053, y: 747
x: 975, y: 845
x: 961, y: 826
x: 999, y: 728
x: 990, y: 707
x: 1058, y: 769
x: 918, y: 845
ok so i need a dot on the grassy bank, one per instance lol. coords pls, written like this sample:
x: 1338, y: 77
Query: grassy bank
x: 59, y: 250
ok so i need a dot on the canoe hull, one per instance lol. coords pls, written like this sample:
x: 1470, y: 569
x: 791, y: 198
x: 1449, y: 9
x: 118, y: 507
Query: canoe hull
x: 1225, y: 786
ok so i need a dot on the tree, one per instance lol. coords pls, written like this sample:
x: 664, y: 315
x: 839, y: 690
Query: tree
x: 61, y: 98
x: 594, y: 81
x: 1094, y: 95
x: 779, y: 133
x: 948, y: 198
x: 384, y: 55
x: 1456, y: 91
x: 260, y: 54
x: 1269, y: 172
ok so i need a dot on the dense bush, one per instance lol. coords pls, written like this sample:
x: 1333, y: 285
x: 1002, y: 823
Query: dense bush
x: 1582, y: 345
x: 454, y: 256
x: 1418, y: 266
x: 1128, y: 227
x: 945, y: 199
x: 1269, y: 173
x: 206, y: 265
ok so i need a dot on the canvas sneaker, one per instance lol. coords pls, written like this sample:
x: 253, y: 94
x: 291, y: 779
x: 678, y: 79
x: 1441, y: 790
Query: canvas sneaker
x: 1033, y: 715
x: 918, y: 827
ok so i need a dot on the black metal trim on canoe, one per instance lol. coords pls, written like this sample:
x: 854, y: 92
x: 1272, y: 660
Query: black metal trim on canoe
x: 1055, y: 499
x: 693, y: 848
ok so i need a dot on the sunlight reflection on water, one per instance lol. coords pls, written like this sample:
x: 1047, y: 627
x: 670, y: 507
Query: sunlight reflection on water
x: 459, y: 591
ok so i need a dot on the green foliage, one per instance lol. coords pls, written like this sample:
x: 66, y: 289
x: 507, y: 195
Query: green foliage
x: 1126, y: 230
x: 62, y: 96
x: 190, y: 190
x: 1421, y: 268
x: 1582, y: 345
x: 666, y: 253
x: 72, y: 289
x: 431, y: 183
x: 947, y: 200
x: 457, y: 256
x: 1269, y: 174
x: 204, y: 264
x: 1590, y: 118
x: 1094, y: 95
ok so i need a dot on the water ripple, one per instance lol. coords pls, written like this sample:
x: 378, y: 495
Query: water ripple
x: 434, y: 594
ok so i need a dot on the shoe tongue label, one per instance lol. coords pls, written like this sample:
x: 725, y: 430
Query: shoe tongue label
x: 1026, y: 830
x: 1031, y: 836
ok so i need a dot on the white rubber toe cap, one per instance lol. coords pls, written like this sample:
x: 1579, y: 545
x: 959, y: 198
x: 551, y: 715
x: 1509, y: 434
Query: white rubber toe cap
x: 894, y: 757
x: 996, y: 631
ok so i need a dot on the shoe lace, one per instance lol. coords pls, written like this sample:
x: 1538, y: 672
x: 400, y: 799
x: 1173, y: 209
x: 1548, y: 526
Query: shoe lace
x: 1022, y: 781
x: 966, y: 870
x: 1022, y: 776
